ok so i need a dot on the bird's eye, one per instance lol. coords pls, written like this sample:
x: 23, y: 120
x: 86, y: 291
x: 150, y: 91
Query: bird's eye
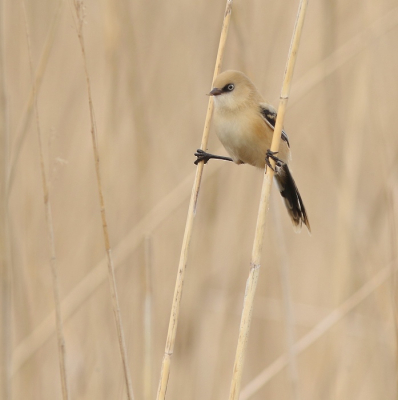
x: 230, y: 87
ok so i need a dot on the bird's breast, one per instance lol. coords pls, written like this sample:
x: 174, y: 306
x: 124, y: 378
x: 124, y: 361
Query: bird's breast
x: 245, y: 136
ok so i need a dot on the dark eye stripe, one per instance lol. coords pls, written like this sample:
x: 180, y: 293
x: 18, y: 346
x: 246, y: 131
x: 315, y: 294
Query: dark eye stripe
x: 229, y: 87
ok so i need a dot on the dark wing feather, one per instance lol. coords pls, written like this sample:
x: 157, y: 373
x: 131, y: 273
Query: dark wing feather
x: 270, y: 119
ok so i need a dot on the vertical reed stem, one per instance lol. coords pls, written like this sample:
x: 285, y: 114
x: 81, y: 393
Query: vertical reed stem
x: 172, y: 331
x: 79, y: 8
x: 262, y: 212
x: 50, y: 228
x: 5, y: 259
x: 27, y: 113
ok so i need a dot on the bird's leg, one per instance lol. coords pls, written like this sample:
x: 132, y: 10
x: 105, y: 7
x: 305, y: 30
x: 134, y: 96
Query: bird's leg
x: 203, y: 156
x: 278, y: 162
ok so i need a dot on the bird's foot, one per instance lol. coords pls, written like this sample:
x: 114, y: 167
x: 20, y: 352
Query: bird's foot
x: 201, y: 155
x: 278, y: 162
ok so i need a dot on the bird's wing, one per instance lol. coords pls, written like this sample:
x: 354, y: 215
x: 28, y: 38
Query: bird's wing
x: 269, y: 114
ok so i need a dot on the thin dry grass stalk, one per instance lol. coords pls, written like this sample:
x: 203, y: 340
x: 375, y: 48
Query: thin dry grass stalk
x: 175, y: 309
x: 390, y: 198
x: 391, y: 201
x: 5, y: 259
x: 318, y: 331
x: 262, y: 213
x: 50, y: 228
x: 28, y: 110
x: 79, y: 9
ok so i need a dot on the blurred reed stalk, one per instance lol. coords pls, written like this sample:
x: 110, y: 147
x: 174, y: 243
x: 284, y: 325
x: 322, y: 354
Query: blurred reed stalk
x: 280, y: 244
x: 351, y: 163
x: 50, y: 227
x: 390, y: 198
x: 262, y: 212
x: 148, y: 320
x: 79, y: 9
x: 391, y: 212
x: 5, y: 259
x: 28, y: 110
x: 317, y: 332
x: 175, y: 309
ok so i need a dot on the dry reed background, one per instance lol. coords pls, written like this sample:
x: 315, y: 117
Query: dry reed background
x: 150, y: 64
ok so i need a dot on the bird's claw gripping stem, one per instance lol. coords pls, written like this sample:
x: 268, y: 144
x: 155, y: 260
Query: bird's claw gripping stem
x: 278, y: 162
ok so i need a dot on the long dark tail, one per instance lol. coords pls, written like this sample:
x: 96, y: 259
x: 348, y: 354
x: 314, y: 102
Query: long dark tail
x: 291, y: 195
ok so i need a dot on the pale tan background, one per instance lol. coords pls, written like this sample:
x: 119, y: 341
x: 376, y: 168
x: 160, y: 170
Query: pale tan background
x: 150, y: 64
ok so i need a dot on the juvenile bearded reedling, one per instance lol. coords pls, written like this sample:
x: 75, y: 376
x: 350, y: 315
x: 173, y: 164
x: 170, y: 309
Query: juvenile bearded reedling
x: 244, y: 123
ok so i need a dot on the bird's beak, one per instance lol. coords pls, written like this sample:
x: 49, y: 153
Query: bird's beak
x: 215, y: 92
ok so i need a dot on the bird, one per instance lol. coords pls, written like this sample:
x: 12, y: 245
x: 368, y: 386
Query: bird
x: 244, y: 124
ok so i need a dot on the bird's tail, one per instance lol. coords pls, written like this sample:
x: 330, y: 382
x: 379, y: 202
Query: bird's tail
x: 291, y: 195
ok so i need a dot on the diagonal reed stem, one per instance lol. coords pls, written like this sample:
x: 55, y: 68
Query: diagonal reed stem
x: 175, y: 309
x: 262, y: 212
x: 50, y: 228
x: 320, y: 329
x: 79, y: 8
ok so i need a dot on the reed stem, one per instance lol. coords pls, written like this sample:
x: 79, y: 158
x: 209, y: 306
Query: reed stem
x: 262, y: 212
x: 175, y: 309
x: 79, y: 8
x: 50, y: 229
x: 320, y: 329
x: 5, y: 254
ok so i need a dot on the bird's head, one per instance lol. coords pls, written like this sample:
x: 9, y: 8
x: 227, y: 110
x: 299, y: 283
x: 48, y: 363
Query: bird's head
x: 233, y: 90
